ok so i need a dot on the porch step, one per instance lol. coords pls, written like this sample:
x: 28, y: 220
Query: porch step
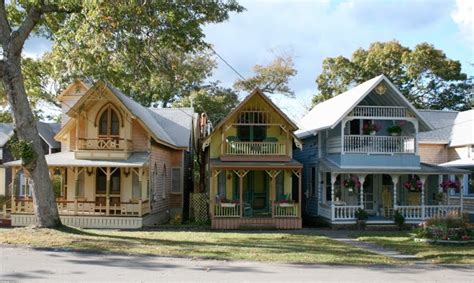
x: 381, y: 227
x: 257, y: 226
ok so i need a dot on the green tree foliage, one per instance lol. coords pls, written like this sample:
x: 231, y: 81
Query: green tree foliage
x: 272, y: 78
x: 92, y: 33
x: 424, y: 74
x: 213, y: 100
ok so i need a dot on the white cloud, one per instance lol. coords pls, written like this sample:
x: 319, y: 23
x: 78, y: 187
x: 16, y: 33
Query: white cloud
x: 463, y: 16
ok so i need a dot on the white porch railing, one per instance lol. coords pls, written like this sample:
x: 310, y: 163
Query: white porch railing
x: 432, y: 211
x: 255, y: 148
x: 226, y: 210
x: 345, y: 212
x: 281, y: 210
x: 89, y: 208
x: 379, y: 144
x: 380, y: 111
x: 410, y: 212
x: 324, y: 210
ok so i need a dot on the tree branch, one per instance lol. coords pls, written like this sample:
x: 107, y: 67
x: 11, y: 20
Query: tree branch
x: 5, y: 28
x: 31, y: 20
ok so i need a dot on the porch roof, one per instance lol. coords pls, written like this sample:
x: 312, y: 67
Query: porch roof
x: 67, y: 159
x: 462, y: 163
x: 427, y: 169
x: 261, y: 165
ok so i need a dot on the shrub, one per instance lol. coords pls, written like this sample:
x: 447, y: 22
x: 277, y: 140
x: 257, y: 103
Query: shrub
x: 448, y: 228
x: 399, y: 219
x: 361, y: 214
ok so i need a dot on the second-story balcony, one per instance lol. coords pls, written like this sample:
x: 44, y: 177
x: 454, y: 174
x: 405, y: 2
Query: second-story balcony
x: 103, y: 148
x: 378, y: 144
x: 269, y: 148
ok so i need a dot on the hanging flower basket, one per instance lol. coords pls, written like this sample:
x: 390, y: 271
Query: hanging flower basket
x: 450, y: 186
x: 370, y: 128
x: 413, y: 185
x: 351, y: 184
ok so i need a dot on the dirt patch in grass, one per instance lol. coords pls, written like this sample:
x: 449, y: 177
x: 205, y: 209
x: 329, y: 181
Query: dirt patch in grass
x: 435, y: 253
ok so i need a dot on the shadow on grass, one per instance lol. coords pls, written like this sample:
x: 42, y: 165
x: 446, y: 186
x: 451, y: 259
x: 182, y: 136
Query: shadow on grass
x: 280, y: 246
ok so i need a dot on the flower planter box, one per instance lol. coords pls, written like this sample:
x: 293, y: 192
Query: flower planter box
x: 286, y: 205
x: 229, y: 205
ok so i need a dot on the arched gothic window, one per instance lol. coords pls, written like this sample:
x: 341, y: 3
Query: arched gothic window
x: 109, y: 124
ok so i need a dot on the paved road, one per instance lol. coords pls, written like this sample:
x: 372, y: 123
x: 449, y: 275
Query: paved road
x: 20, y: 264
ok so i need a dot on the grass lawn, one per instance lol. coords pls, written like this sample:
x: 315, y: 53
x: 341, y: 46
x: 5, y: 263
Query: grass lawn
x: 255, y: 246
x: 436, y: 253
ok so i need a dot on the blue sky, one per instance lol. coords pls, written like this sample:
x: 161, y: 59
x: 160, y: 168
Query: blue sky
x: 313, y: 30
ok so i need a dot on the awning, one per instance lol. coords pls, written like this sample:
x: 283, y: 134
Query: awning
x: 67, y: 159
x: 257, y: 165
x: 426, y: 169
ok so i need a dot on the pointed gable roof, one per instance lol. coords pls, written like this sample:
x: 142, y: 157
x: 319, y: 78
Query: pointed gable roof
x: 150, y: 119
x: 329, y: 113
x: 268, y: 101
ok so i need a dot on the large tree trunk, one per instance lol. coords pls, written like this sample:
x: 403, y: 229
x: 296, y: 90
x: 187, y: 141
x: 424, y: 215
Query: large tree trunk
x: 45, y: 207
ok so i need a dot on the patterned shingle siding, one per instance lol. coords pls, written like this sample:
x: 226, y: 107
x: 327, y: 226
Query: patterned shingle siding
x: 433, y: 153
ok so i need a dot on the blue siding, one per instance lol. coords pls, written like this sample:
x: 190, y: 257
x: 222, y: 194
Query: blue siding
x: 375, y: 160
x: 309, y: 158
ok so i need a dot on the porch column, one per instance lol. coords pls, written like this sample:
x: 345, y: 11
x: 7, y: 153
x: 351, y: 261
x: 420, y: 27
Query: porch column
x: 241, y: 174
x: 273, y: 193
x: 362, y: 180
x: 333, y: 181
x: 107, y: 191
x: 213, y: 190
x: 14, y: 171
x: 395, y: 179
x: 76, y: 189
x: 299, y: 193
x: 140, y: 174
x: 324, y: 189
x: 319, y: 184
x: 461, y: 191
x: 423, y: 181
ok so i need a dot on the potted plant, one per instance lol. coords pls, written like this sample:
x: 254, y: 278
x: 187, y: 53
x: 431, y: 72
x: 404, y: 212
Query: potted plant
x: 351, y: 183
x: 399, y: 219
x: 450, y: 186
x: 362, y: 217
x: 439, y: 197
x: 413, y: 185
x: 394, y: 130
x: 370, y: 128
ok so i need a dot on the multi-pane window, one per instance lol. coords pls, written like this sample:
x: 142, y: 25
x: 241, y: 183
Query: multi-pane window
x: 176, y: 180
x: 109, y: 123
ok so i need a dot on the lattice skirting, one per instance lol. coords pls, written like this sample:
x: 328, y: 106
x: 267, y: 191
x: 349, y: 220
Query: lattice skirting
x: 199, y: 207
x: 84, y: 221
x: 236, y: 223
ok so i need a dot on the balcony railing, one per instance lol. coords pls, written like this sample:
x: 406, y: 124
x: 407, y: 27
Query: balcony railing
x: 255, y: 148
x: 379, y: 144
x: 380, y: 111
x: 104, y: 144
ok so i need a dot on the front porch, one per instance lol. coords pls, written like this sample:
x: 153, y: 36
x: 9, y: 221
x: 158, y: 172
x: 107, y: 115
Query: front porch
x: 417, y: 196
x: 255, y: 196
x: 89, y: 193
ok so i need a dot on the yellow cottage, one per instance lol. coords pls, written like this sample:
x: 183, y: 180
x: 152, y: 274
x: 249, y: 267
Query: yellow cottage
x: 254, y: 182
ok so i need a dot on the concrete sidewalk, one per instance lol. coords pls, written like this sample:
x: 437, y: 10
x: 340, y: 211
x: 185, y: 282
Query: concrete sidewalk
x: 20, y: 264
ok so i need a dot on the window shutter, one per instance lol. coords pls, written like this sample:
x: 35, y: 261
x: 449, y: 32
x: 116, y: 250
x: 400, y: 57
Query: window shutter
x: 176, y: 180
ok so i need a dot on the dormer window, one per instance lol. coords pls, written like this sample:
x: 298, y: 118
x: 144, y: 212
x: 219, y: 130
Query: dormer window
x: 109, y: 124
